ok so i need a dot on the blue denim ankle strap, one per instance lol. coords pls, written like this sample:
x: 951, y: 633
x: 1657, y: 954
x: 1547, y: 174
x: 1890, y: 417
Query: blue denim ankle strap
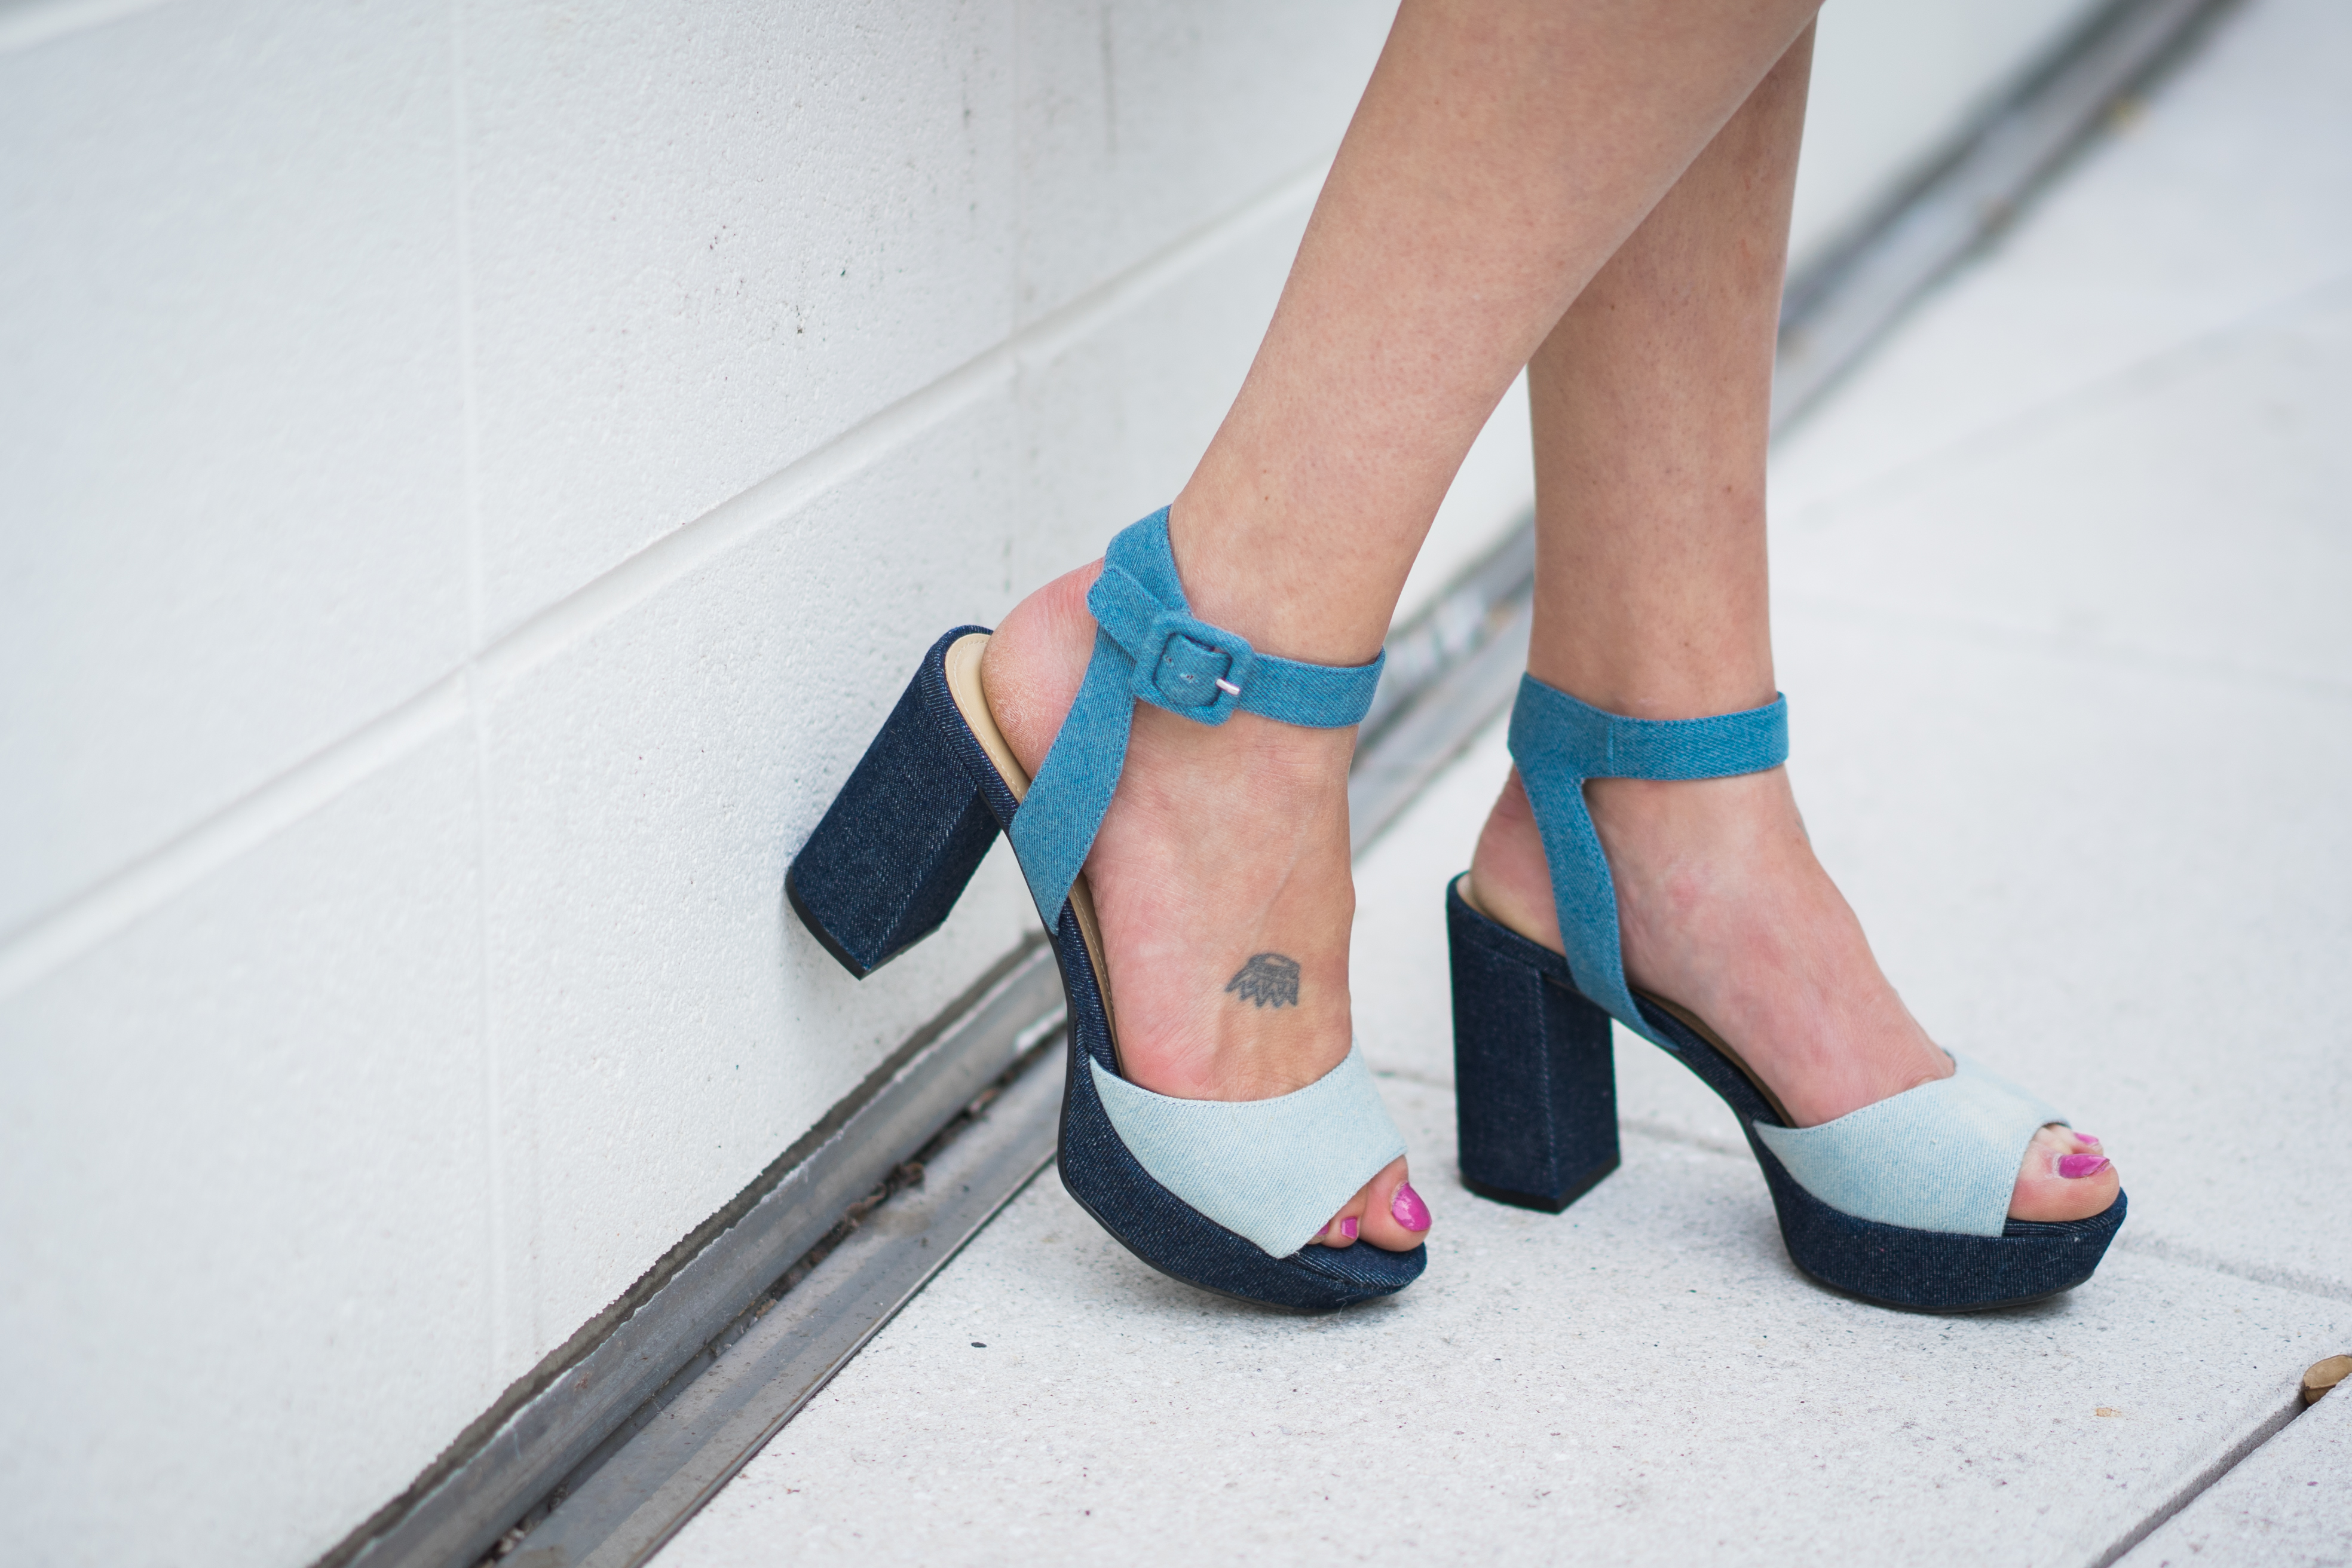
x: 1149, y: 647
x: 1558, y: 742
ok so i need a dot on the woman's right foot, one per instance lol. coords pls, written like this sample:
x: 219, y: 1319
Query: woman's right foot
x: 1725, y: 911
x: 1222, y: 886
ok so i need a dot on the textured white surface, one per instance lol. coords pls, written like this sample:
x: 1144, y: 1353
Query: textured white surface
x: 2198, y: 215
x: 662, y: 1027
x: 2288, y: 1505
x: 233, y: 418
x: 1140, y: 122
x: 707, y: 239
x: 245, y: 1188
x: 1642, y: 1379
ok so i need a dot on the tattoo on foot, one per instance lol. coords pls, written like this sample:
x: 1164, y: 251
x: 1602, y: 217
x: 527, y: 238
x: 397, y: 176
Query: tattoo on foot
x: 1267, y: 980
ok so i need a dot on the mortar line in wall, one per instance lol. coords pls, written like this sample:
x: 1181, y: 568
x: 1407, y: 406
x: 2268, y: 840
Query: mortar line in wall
x: 468, y: 403
x: 499, y: 1294
x: 1019, y: 271
x: 794, y: 487
x: 486, y: 1038
x: 120, y: 897
x: 1110, y: 80
x: 112, y: 902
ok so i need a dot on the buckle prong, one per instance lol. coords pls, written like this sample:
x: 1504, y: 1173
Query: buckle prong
x: 1227, y: 687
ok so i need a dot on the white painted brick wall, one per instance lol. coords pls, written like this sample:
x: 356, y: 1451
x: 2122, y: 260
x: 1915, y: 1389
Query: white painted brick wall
x: 474, y: 476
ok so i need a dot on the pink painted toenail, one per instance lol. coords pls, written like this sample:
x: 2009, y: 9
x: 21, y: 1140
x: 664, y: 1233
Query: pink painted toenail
x: 2074, y: 1167
x: 1408, y: 1209
x: 2085, y: 1138
x: 1347, y: 1227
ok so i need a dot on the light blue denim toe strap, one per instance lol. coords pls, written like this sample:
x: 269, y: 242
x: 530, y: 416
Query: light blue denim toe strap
x: 1941, y: 1157
x: 1149, y: 647
x: 1558, y: 742
x: 1272, y: 1171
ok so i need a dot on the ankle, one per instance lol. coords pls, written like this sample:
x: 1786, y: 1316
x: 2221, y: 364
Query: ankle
x: 1610, y: 656
x: 1037, y: 661
x: 1245, y: 569
x: 1692, y: 823
x: 1037, y: 658
x: 1260, y: 773
x: 1509, y: 882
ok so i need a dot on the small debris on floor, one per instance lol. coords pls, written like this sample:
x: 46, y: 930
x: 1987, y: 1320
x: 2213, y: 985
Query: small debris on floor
x: 2322, y: 1375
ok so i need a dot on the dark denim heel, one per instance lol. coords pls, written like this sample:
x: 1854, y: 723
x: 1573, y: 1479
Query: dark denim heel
x: 1535, y: 1084
x: 902, y: 838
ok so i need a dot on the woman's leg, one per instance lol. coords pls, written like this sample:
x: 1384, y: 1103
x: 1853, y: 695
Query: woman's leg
x: 1651, y: 401
x: 1501, y: 152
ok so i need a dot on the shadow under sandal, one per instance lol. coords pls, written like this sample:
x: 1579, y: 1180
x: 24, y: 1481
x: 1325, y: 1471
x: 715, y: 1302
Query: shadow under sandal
x: 1904, y: 1202
x: 1224, y: 1195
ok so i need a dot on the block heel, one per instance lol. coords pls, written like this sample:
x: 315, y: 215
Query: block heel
x: 896, y: 848
x: 1535, y: 1082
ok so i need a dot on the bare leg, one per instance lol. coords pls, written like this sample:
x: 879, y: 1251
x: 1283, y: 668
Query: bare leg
x: 1651, y: 402
x: 1501, y: 152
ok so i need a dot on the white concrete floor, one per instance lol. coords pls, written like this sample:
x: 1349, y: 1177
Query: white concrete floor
x: 2061, y: 587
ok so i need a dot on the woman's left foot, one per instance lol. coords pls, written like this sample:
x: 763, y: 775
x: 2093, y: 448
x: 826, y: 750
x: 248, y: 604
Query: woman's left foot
x: 1724, y: 911
x: 1222, y: 885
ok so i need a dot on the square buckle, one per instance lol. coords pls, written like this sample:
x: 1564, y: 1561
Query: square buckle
x: 1193, y: 667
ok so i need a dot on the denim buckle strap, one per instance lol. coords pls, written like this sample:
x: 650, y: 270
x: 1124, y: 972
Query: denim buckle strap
x: 1197, y: 665
x: 1558, y: 742
x: 1150, y: 647
x: 1173, y: 659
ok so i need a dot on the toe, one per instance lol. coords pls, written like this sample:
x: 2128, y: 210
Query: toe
x: 1345, y: 1225
x: 2065, y: 1176
x: 1387, y: 1212
x: 1394, y: 1215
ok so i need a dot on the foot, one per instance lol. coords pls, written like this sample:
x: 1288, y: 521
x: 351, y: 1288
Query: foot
x: 1725, y: 911
x: 1222, y: 884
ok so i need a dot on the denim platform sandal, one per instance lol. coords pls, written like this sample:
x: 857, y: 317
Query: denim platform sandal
x: 1224, y: 1195
x: 1904, y: 1202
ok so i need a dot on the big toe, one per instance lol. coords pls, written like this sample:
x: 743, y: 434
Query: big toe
x: 1387, y: 1212
x: 2065, y: 1176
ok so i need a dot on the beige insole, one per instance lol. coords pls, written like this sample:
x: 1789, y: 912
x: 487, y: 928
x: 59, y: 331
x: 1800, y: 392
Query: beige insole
x: 972, y: 700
